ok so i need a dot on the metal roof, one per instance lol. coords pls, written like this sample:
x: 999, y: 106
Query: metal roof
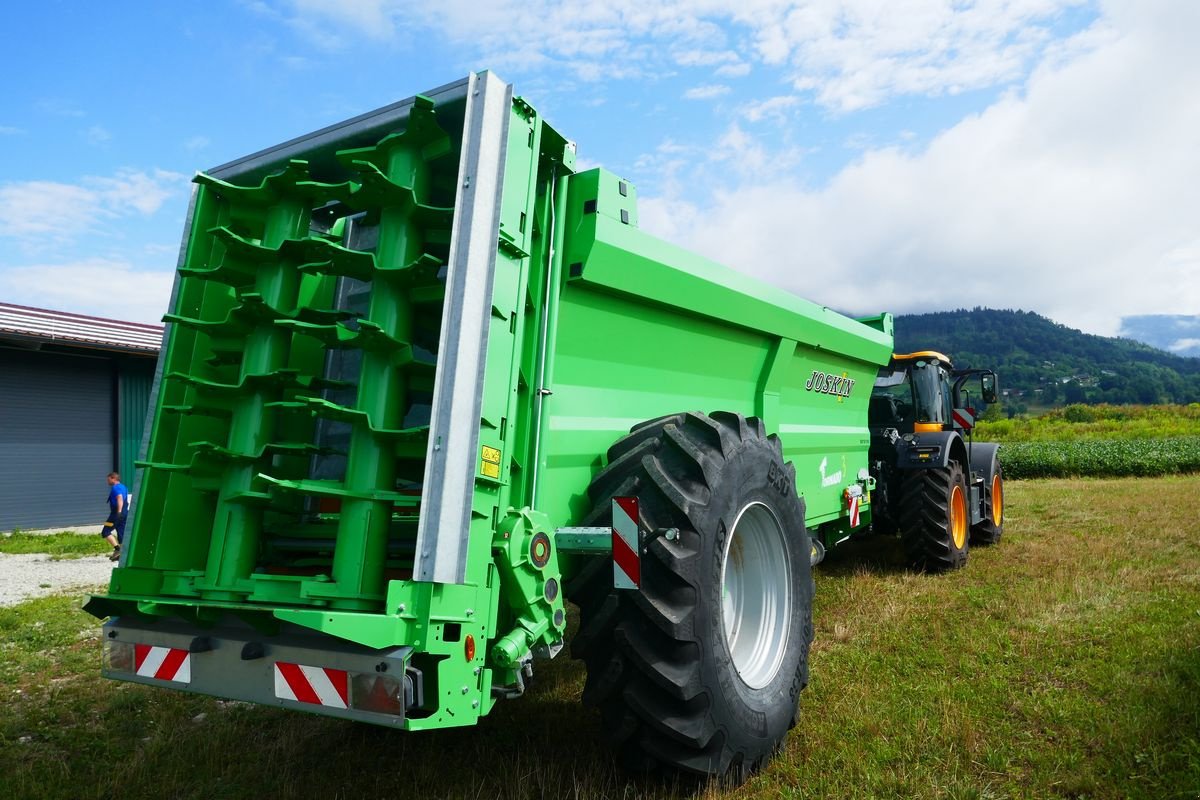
x: 61, y: 327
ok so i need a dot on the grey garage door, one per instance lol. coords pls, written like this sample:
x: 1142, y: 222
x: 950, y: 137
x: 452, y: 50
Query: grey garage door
x: 56, y: 439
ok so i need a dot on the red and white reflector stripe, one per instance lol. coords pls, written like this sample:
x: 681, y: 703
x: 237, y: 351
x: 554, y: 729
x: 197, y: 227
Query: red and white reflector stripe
x: 852, y: 501
x: 317, y: 686
x: 627, y: 564
x: 162, y: 663
x: 964, y: 417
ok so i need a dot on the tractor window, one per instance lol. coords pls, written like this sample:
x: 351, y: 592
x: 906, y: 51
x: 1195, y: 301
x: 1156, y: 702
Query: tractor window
x: 891, y: 399
x: 933, y: 400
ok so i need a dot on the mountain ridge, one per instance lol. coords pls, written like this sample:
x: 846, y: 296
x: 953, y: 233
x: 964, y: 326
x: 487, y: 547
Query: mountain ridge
x: 1043, y: 362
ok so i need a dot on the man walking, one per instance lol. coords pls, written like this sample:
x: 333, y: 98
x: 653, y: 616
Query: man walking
x: 118, y: 511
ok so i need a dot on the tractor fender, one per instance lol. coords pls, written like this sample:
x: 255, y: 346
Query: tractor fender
x: 931, y: 451
x: 984, y: 459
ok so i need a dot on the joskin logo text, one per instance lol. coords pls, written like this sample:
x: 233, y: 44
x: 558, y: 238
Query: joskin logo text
x: 825, y: 383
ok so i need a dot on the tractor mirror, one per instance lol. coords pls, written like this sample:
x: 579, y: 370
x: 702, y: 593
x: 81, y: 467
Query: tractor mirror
x: 988, y: 385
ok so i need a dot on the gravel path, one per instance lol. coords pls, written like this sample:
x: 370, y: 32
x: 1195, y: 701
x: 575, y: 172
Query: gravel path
x: 28, y: 575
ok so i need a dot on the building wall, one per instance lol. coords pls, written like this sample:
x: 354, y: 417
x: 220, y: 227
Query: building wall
x: 67, y: 418
x: 135, y: 377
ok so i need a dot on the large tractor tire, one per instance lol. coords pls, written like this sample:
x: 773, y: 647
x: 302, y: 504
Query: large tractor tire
x: 934, y: 517
x: 700, y: 670
x: 991, y: 527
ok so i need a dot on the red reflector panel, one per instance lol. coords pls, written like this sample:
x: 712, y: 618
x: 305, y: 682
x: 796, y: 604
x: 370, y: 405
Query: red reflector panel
x: 627, y: 565
x: 313, y: 685
x: 162, y: 663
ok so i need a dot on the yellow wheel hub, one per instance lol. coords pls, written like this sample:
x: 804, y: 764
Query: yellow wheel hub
x: 958, y: 517
x: 997, y: 500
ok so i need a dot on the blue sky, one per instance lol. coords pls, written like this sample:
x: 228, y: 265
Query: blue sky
x: 1015, y: 153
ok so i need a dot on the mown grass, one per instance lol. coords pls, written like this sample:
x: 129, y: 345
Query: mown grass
x: 1062, y: 663
x: 59, y: 545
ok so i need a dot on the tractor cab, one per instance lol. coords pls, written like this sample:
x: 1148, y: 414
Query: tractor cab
x: 922, y: 392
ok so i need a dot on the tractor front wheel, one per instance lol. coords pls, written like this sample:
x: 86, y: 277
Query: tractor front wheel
x: 934, y: 517
x: 701, y: 668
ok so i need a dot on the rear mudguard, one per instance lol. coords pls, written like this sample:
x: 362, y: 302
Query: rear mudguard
x: 985, y: 459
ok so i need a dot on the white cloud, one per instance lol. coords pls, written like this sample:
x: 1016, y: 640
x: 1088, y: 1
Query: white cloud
x: 160, y: 250
x: 1074, y: 197
x: 1179, y: 345
x: 706, y: 58
x: 707, y: 92
x: 42, y: 207
x: 63, y: 211
x: 733, y: 70
x: 196, y: 143
x: 59, y: 107
x: 97, y: 286
x: 773, y: 107
x: 9, y: 130
x: 854, y: 55
x: 97, y: 134
x: 371, y: 18
x: 847, y: 54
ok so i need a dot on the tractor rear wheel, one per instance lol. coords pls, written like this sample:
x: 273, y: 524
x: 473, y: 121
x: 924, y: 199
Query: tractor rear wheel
x: 934, y: 517
x: 991, y: 527
x: 700, y: 669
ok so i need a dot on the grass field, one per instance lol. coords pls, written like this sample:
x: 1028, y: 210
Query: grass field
x: 1062, y: 663
x: 1102, y: 441
x: 60, y: 545
x: 1101, y: 458
x: 1099, y: 422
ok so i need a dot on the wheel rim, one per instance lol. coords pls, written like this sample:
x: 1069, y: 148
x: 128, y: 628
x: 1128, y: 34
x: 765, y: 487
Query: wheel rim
x: 997, y: 500
x: 958, y: 517
x: 756, y: 597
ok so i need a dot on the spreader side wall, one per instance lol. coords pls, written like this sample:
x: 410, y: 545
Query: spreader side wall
x: 648, y: 329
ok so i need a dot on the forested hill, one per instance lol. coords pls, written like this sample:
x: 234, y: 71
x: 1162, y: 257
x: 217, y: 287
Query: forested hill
x: 1041, y: 362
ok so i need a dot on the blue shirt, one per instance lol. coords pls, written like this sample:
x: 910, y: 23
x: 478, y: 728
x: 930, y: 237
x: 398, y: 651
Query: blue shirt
x: 118, y: 490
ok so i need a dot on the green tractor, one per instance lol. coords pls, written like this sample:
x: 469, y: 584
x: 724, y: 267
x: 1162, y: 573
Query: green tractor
x: 937, y: 487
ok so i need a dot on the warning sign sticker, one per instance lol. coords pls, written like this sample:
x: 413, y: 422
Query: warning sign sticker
x: 491, y: 455
x: 490, y: 470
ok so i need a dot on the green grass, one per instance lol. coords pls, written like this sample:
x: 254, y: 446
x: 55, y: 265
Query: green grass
x: 59, y: 545
x: 1062, y: 663
x: 1103, y: 441
x: 1115, y: 458
x: 1100, y: 422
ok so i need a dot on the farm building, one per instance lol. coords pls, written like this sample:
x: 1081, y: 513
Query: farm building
x: 73, y: 396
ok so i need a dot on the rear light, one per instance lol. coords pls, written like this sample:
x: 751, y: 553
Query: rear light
x: 148, y: 661
x: 469, y: 647
x: 377, y: 692
x: 118, y: 656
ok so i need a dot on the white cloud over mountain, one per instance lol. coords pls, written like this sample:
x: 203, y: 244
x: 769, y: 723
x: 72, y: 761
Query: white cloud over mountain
x: 1075, y: 196
x: 1072, y: 193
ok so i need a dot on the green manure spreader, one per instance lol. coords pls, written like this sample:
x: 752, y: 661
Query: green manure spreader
x: 424, y: 383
